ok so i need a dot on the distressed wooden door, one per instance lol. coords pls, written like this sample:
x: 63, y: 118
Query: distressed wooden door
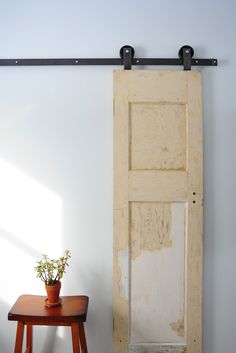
x: 157, y: 212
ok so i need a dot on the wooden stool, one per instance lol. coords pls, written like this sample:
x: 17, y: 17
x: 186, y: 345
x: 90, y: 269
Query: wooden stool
x: 30, y: 310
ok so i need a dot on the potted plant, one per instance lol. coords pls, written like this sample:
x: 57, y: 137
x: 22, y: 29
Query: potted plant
x: 51, y: 271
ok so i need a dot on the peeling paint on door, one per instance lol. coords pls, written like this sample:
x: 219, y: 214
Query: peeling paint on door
x: 150, y: 227
x: 178, y: 327
x: 157, y: 274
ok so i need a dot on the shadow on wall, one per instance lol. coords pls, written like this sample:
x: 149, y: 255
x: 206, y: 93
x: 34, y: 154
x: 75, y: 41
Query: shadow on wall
x: 30, y: 221
x: 6, y: 341
x: 99, y: 309
x: 209, y: 217
x: 19, y: 243
x: 49, y: 342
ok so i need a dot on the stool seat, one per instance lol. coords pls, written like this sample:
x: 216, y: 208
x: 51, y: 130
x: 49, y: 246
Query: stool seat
x: 30, y: 310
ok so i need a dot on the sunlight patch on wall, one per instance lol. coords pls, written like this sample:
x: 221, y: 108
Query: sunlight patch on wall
x: 30, y: 224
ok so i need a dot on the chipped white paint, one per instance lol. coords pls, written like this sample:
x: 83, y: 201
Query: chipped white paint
x: 157, y: 286
x: 123, y: 256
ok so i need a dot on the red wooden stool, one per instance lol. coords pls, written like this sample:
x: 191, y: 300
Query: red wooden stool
x: 30, y: 310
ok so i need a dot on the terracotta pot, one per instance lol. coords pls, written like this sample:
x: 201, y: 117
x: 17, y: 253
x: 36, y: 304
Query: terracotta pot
x: 53, y: 293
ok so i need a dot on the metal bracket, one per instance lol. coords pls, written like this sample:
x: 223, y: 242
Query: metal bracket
x: 187, y: 60
x: 127, y: 54
x: 186, y: 53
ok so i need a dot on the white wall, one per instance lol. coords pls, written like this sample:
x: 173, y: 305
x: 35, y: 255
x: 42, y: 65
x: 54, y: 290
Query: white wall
x: 56, y: 151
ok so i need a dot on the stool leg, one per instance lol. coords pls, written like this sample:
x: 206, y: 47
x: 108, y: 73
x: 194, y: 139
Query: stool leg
x: 75, y: 337
x: 19, y: 337
x: 82, y: 338
x: 29, y: 339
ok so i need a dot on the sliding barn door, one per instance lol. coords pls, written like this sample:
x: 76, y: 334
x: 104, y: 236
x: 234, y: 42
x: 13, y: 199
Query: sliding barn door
x: 157, y: 212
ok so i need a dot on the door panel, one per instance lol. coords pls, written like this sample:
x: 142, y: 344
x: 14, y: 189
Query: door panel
x: 157, y: 212
x: 153, y: 145
x: 157, y: 272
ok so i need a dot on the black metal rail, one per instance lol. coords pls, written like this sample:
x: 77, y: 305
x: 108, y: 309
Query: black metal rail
x: 126, y: 59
